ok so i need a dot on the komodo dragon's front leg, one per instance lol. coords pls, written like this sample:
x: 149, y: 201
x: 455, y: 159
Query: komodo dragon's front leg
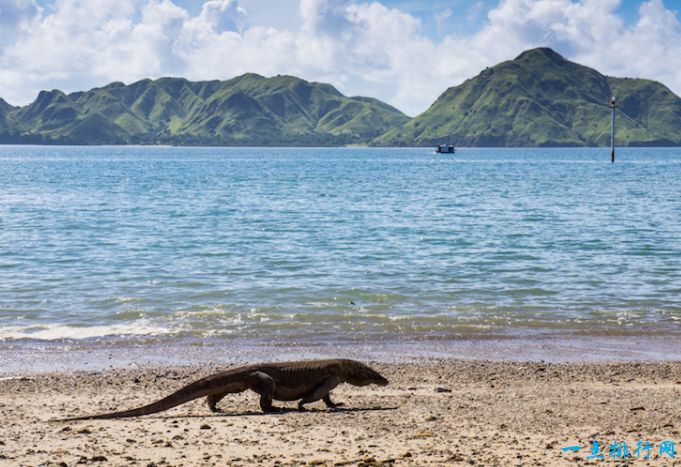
x: 321, y: 392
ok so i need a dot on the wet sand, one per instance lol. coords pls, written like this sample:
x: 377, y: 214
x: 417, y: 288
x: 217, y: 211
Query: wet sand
x: 20, y: 357
x: 434, y: 412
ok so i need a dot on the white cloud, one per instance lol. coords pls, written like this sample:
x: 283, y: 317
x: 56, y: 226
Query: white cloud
x: 364, y: 48
x: 15, y: 18
x: 650, y: 48
x: 222, y: 15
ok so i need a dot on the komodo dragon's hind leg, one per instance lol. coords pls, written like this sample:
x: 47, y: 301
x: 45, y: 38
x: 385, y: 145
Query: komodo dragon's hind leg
x: 329, y: 403
x: 263, y: 384
x: 321, y: 392
x: 213, y: 400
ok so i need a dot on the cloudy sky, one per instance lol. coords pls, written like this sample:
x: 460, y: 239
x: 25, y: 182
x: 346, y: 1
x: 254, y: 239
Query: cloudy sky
x: 405, y: 52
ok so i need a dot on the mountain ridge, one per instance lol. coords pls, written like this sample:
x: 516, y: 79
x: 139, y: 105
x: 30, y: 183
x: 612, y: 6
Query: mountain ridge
x: 537, y: 99
x: 541, y: 99
x: 246, y: 110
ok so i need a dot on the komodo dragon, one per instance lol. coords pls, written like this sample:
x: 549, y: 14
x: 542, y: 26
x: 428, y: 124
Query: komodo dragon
x: 308, y: 381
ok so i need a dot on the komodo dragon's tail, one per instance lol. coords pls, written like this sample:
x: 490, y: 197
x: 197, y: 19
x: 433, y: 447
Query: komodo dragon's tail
x: 200, y: 388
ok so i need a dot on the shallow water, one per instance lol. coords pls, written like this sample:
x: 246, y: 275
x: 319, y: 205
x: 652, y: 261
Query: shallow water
x: 311, y: 244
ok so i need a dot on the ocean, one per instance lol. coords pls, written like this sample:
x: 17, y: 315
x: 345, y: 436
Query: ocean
x: 288, y: 245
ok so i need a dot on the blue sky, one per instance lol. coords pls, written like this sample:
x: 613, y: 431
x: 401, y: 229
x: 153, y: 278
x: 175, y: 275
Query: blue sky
x: 427, y: 11
x: 475, y: 9
x: 405, y: 52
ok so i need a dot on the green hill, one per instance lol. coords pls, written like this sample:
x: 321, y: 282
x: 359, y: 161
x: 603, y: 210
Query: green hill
x: 247, y: 110
x: 4, y: 109
x: 541, y: 99
x: 537, y: 99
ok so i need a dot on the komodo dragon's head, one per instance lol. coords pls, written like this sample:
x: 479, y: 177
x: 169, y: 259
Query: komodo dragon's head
x: 359, y: 374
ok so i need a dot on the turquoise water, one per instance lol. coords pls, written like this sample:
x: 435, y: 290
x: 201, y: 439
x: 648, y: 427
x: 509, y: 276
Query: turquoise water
x: 300, y: 244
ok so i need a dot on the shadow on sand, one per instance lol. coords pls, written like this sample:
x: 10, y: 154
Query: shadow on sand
x: 284, y: 411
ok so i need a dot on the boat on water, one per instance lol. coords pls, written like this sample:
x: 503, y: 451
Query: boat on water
x: 445, y: 149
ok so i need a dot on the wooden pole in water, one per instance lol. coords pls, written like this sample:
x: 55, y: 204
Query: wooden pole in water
x: 612, y: 131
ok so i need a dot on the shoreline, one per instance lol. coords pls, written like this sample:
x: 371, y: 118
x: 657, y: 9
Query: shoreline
x: 454, y: 412
x: 33, y: 357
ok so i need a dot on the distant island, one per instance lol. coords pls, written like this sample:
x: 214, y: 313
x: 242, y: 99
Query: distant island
x: 537, y: 99
x: 542, y: 99
x: 247, y: 110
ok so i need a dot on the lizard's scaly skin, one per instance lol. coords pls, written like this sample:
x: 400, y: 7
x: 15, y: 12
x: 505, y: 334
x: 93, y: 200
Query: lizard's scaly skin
x: 307, y: 381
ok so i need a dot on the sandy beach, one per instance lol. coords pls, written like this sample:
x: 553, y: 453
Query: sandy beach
x: 434, y: 412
